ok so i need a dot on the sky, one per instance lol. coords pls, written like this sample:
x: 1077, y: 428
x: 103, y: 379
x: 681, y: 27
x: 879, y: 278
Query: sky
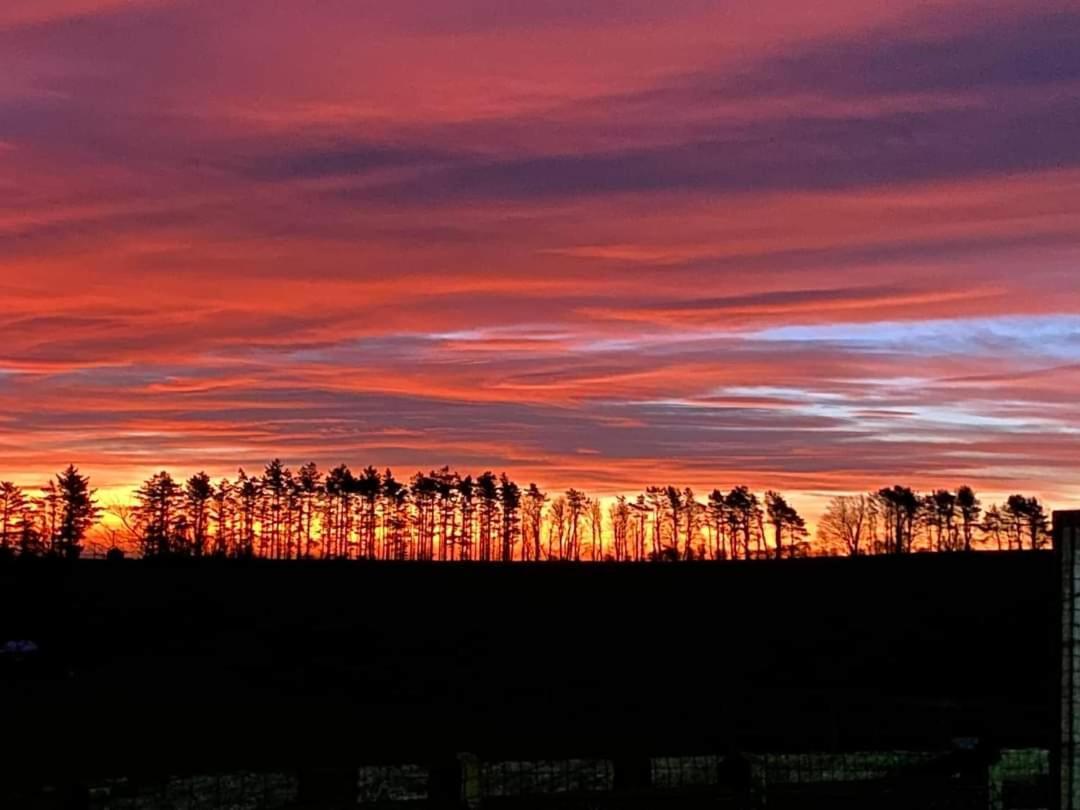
x: 819, y: 247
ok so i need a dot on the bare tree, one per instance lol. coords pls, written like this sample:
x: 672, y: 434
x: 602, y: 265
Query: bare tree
x: 125, y: 533
x: 993, y: 526
x: 848, y: 523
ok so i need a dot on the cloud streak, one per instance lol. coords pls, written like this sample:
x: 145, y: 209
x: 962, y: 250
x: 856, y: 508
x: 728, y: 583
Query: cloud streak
x: 597, y: 246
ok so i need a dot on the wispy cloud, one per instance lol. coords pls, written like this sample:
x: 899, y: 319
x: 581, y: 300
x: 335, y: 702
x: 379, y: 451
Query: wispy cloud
x: 816, y: 248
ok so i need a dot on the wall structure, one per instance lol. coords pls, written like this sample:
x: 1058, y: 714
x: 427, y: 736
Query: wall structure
x: 1067, y: 757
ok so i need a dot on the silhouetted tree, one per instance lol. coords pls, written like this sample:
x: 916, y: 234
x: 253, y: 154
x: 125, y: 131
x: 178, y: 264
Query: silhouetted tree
x: 78, y: 511
x: 1026, y: 518
x: 369, y: 488
x: 595, y: 517
x: 993, y: 525
x: 446, y: 490
x: 487, y: 493
x: 849, y: 521
x: 1014, y: 510
x: 247, y: 500
x: 641, y: 511
x: 742, y: 507
x: 900, y: 509
x: 970, y: 509
x: 619, y: 513
x: 784, y: 518
x: 467, y: 493
x: 716, y: 509
x: 273, y: 490
x: 692, y: 512
x: 1038, y: 524
x: 797, y: 534
x: 576, y: 502
x: 47, y: 515
x: 532, y: 523
x: 13, y: 504
x: 224, y: 518
x: 198, y: 493
x: 557, y: 530
x: 939, y: 510
x: 30, y: 537
x: 309, y: 490
x: 655, y: 497
x: 510, y: 498
x: 157, y: 511
x: 396, y: 498
x: 424, y: 492
x: 674, y: 510
x: 442, y: 515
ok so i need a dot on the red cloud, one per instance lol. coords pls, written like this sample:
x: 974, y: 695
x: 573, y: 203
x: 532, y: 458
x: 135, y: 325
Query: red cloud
x: 543, y: 238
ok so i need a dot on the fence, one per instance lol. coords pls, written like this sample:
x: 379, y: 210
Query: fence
x: 899, y: 780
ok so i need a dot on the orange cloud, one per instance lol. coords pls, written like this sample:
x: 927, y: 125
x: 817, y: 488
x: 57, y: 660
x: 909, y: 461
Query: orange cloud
x: 818, y: 248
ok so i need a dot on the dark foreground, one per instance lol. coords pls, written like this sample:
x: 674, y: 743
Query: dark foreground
x: 209, y: 667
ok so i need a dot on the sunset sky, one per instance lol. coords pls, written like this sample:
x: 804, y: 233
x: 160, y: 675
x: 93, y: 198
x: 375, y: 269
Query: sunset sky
x: 812, y: 246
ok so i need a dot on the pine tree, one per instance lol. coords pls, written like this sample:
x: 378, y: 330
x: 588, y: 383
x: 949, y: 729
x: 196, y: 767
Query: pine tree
x: 78, y: 511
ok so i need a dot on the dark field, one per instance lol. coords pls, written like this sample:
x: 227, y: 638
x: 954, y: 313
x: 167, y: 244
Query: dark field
x: 215, y: 665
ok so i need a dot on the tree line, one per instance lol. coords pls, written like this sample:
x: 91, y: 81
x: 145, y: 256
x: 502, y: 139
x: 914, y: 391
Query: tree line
x: 306, y: 513
x: 897, y: 519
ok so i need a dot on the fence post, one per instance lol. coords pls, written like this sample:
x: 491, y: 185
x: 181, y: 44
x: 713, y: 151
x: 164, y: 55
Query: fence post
x: 470, y: 779
x: 1066, y: 758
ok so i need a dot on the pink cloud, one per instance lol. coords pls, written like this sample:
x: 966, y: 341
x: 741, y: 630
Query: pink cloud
x: 553, y: 238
